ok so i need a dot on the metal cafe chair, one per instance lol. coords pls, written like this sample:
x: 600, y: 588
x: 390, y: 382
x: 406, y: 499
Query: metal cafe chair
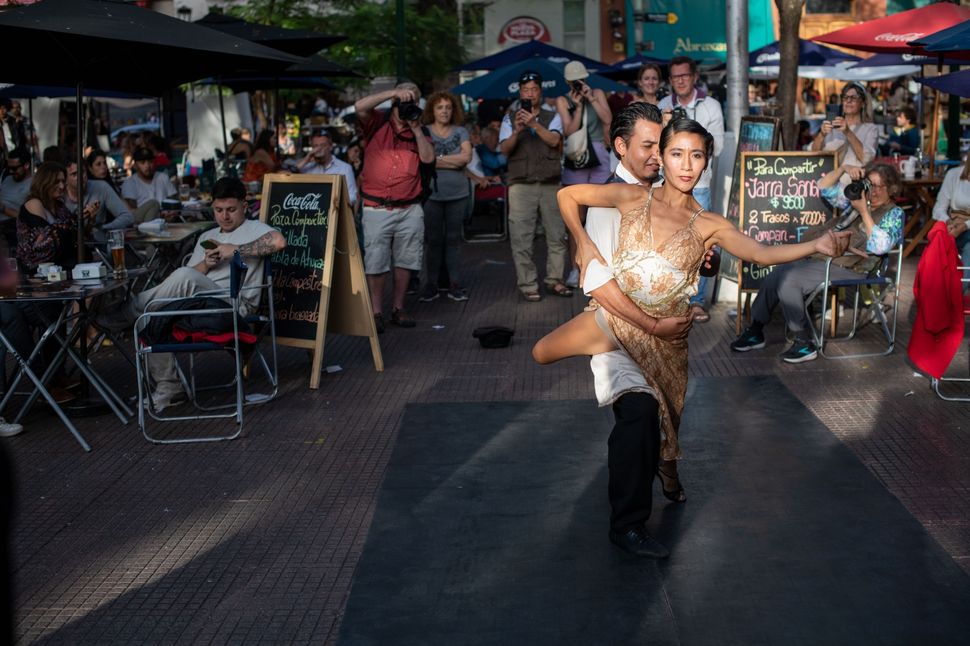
x: 243, y: 344
x: 934, y: 382
x: 880, y: 283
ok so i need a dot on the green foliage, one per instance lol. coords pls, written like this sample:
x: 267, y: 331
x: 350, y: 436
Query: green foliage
x: 431, y: 46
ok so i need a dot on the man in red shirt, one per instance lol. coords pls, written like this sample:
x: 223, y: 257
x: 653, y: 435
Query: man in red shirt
x: 390, y: 187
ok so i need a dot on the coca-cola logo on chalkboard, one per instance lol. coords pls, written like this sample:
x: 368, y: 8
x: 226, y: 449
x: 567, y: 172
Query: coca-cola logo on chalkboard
x: 523, y: 29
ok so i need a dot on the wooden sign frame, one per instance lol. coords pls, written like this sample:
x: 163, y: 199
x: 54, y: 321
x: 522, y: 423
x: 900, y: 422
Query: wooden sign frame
x: 343, y: 281
x: 734, y: 195
x: 744, y: 294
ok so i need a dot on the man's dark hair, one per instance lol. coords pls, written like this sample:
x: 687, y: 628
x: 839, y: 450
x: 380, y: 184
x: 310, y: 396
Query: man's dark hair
x: 688, y: 125
x: 626, y: 119
x: 910, y: 113
x: 680, y: 60
x: 20, y: 154
x: 228, y: 188
x: 53, y: 154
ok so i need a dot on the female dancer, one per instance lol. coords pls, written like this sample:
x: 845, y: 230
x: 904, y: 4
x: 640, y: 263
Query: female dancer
x: 663, y: 237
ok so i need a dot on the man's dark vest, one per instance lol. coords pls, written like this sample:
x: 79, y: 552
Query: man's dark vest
x: 532, y: 160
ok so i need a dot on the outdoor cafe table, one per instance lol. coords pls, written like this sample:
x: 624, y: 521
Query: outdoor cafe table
x: 166, y: 248
x: 923, y: 192
x: 67, y: 293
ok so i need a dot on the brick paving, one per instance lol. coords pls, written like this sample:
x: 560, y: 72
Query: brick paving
x: 256, y: 541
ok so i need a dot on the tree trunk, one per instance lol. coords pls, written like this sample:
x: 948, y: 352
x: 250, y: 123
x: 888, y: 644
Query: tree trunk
x: 789, y: 18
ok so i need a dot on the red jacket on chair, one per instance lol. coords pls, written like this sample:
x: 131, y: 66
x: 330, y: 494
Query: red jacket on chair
x: 939, y: 305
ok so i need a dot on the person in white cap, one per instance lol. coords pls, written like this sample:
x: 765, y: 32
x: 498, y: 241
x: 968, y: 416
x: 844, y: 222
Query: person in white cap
x: 585, y: 114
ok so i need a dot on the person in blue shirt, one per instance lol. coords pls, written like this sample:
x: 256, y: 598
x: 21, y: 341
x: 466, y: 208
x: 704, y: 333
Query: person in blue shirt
x: 876, y: 229
x: 905, y: 138
x: 494, y: 163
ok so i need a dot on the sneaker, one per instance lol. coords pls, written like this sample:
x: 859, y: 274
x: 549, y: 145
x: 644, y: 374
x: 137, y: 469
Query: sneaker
x: 8, y: 429
x: 428, y: 294
x: 572, y: 280
x: 800, y: 351
x: 163, y: 398
x: 457, y: 294
x: 750, y: 339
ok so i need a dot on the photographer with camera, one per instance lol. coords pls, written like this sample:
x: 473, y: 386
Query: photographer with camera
x: 686, y: 100
x: 531, y: 138
x: 849, y: 130
x: 876, y: 223
x: 391, y: 190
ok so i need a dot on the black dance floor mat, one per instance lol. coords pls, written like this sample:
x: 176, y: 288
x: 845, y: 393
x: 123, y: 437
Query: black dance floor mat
x: 491, y: 528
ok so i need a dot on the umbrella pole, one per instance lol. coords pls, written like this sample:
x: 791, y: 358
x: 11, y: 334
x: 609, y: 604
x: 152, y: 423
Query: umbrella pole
x: 225, y: 143
x: 79, y: 156
x: 934, y: 132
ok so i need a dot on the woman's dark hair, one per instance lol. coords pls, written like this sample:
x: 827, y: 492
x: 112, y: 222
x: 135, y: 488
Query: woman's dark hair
x: 908, y: 112
x: 92, y: 157
x: 889, y: 176
x: 264, y: 141
x: 42, y: 185
x: 678, y: 126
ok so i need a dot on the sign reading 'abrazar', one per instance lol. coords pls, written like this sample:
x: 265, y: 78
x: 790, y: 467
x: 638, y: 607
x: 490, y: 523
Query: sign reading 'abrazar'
x: 780, y: 201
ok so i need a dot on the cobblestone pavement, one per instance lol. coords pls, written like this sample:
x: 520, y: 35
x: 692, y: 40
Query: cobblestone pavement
x: 256, y: 540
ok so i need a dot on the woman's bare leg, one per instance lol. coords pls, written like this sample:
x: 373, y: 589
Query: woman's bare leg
x: 578, y: 336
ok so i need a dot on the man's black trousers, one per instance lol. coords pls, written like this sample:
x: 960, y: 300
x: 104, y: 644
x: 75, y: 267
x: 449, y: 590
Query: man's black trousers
x: 634, y: 449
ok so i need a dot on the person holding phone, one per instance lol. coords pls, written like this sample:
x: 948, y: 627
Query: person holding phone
x: 851, y: 133
x: 531, y: 139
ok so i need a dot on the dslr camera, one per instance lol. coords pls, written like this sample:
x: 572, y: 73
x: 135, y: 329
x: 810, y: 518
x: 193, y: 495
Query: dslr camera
x: 408, y: 110
x: 678, y: 113
x: 854, y: 190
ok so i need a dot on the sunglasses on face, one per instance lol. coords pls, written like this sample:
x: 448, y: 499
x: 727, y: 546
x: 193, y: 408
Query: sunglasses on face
x: 851, y: 97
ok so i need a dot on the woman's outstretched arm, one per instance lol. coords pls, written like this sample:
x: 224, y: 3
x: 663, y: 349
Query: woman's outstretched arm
x: 723, y: 233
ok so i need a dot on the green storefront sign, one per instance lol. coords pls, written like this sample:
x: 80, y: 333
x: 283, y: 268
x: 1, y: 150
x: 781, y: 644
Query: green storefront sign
x: 699, y: 30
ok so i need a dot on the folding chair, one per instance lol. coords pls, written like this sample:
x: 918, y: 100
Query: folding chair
x: 879, y: 283
x: 934, y: 382
x: 242, y: 344
x: 488, y: 216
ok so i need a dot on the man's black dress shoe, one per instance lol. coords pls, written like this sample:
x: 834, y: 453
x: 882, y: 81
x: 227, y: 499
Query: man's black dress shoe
x: 638, y: 542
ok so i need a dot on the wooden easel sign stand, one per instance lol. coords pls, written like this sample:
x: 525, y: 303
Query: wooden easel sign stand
x: 319, y: 284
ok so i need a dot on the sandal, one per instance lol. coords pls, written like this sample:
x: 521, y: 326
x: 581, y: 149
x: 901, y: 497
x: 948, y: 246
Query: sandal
x: 401, y: 318
x: 560, y: 289
x: 674, y: 495
x: 532, y: 297
x: 699, y: 314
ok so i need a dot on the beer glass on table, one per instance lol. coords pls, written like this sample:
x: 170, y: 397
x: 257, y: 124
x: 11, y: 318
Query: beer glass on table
x: 116, y: 242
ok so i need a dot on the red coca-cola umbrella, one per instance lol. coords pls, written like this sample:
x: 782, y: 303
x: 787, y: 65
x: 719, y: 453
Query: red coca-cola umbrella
x: 892, y: 34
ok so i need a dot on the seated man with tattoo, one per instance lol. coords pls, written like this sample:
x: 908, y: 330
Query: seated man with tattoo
x: 208, y: 269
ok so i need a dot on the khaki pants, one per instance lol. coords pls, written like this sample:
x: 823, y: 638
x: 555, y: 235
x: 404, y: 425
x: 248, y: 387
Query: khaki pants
x: 182, y: 282
x: 528, y: 202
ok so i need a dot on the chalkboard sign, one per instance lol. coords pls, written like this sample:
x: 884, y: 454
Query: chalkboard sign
x: 755, y: 134
x: 320, y: 267
x: 780, y: 201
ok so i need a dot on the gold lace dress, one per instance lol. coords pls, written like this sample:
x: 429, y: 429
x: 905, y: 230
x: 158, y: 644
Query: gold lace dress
x: 660, y: 279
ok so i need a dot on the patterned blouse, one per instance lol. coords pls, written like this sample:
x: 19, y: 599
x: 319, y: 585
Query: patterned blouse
x: 888, y: 230
x: 41, y: 241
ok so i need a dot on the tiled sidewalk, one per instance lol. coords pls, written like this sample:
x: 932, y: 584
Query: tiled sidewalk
x: 256, y: 541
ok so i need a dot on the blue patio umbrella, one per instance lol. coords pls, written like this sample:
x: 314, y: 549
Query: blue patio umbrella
x: 809, y: 54
x: 528, y: 50
x: 951, y: 39
x: 504, y: 83
x: 627, y: 68
x: 18, y: 91
x: 892, y: 60
x: 957, y: 83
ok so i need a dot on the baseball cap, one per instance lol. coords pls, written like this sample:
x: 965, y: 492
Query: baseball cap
x: 575, y: 71
x: 143, y: 154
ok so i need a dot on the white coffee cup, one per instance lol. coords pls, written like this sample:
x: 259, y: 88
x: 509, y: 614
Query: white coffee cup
x: 909, y: 168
